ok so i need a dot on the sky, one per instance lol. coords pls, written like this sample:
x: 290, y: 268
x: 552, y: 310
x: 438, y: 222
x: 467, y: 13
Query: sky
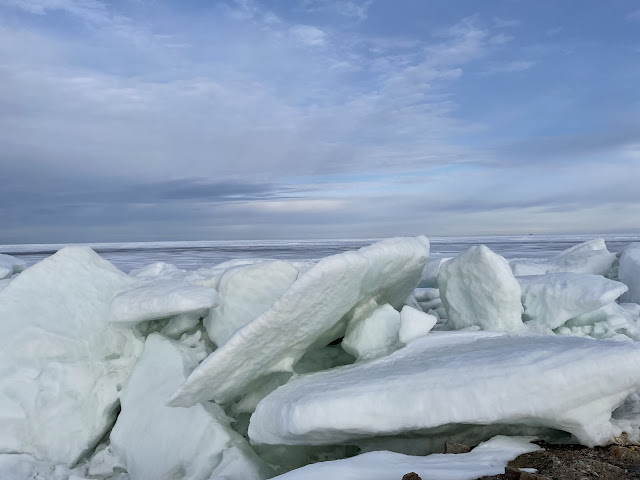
x: 151, y: 120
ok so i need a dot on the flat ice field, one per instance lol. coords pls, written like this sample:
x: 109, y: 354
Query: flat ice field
x: 358, y: 365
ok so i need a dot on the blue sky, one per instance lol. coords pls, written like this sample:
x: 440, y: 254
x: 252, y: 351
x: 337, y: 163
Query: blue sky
x: 157, y: 120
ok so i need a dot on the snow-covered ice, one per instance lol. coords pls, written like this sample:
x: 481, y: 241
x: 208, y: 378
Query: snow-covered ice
x: 458, y: 378
x: 385, y: 272
x: 478, y: 288
x: 10, y: 265
x: 160, y: 299
x: 414, y: 324
x: 629, y: 272
x: 552, y: 299
x: 158, y: 442
x: 375, y: 335
x: 488, y: 458
x: 61, y: 362
x: 245, y: 293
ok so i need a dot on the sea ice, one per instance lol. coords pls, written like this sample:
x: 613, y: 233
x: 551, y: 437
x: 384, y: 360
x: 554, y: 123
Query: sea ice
x: 164, y: 443
x: 375, y: 335
x: 478, y: 288
x: 488, y: 458
x: 567, y: 383
x: 588, y: 257
x: 414, y: 324
x: 160, y: 299
x: 351, y: 282
x: 552, y: 299
x: 629, y: 272
x: 10, y: 265
x: 61, y: 362
x: 245, y: 293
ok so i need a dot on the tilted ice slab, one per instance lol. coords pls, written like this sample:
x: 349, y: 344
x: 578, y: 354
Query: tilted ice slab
x: 552, y: 299
x: 478, y: 288
x: 161, y: 299
x: 385, y: 272
x: 488, y: 458
x: 10, y: 265
x: 629, y: 272
x: 245, y: 293
x: 588, y: 257
x: 61, y: 362
x: 567, y: 383
x: 158, y: 442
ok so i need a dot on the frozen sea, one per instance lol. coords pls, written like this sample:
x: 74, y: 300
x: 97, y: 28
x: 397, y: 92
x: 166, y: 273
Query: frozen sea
x: 194, y: 255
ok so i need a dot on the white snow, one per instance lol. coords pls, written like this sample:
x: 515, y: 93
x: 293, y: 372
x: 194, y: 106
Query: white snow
x: 568, y: 383
x: 10, y: 265
x: 375, y: 335
x: 478, y: 288
x: 552, y: 299
x: 385, y: 272
x: 629, y: 272
x: 160, y: 299
x: 488, y: 458
x: 245, y: 293
x: 164, y: 443
x: 61, y: 362
x: 414, y: 324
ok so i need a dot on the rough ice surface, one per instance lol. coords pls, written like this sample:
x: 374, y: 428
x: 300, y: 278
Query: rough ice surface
x: 478, y: 288
x: 245, y: 293
x: 447, y: 378
x: 552, y: 299
x: 414, y: 324
x: 375, y: 335
x: 385, y: 272
x: 629, y: 272
x: 588, y: 257
x: 488, y: 458
x: 164, y: 443
x: 61, y: 362
x: 10, y: 265
x: 160, y: 299
x: 430, y: 273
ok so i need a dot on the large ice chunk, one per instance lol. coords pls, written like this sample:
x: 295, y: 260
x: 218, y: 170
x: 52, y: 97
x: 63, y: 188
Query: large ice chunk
x: 568, y: 383
x: 385, y: 272
x: 245, y: 293
x: 375, y: 335
x: 629, y: 272
x: 10, y: 265
x: 488, y: 458
x: 61, y: 362
x: 161, y: 299
x: 588, y: 257
x: 552, y: 299
x: 478, y: 288
x: 164, y: 443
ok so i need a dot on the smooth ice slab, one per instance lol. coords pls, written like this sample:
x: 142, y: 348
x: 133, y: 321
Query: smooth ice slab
x: 567, y: 383
x: 629, y: 272
x: 158, y: 442
x: 245, y: 293
x: 385, y: 272
x: 61, y: 362
x: 488, y: 458
x: 478, y: 288
x: 552, y: 299
x: 160, y: 299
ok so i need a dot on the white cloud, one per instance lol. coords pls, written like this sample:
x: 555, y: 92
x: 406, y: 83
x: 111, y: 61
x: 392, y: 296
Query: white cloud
x: 308, y: 35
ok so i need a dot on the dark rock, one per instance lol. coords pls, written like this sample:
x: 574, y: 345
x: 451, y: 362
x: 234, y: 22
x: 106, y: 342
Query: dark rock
x: 411, y: 476
x: 453, y: 447
x: 511, y: 473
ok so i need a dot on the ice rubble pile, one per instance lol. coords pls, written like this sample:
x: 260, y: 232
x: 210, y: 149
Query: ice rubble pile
x: 366, y: 360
